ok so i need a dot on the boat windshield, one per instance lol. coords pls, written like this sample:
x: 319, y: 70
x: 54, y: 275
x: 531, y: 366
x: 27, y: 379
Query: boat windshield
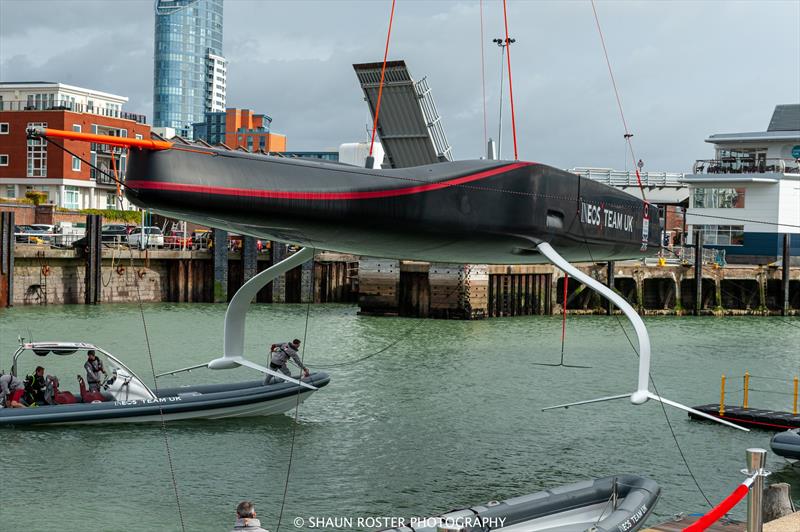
x: 70, y: 363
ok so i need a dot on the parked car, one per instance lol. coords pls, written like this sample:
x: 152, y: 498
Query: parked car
x: 178, y: 240
x: 116, y: 233
x: 24, y: 234
x: 153, y: 237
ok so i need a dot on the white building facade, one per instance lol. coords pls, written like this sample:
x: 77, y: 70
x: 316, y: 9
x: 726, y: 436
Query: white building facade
x: 748, y: 195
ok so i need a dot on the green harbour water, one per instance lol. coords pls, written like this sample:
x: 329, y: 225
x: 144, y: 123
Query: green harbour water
x: 449, y: 416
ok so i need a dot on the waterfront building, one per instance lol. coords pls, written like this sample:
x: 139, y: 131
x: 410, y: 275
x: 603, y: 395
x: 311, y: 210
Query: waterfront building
x: 190, y: 71
x: 748, y: 195
x: 239, y: 128
x: 27, y: 165
x: 665, y: 189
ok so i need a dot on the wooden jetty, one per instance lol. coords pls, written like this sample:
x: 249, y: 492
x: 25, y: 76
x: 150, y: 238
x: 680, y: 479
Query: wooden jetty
x: 752, y: 417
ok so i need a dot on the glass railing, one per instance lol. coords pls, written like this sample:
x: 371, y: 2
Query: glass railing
x: 746, y: 165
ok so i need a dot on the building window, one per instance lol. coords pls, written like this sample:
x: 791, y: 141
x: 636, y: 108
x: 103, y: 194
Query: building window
x: 139, y: 137
x: 111, y: 201
x: 11, y: 191
x: 718, y: 198
x: 3, y: 160
x: 722, y: 235
x: 76, y: 164
x: 4, y: 128
x: 76, y: 128
x: 72, y: 198
x: 37, y: 154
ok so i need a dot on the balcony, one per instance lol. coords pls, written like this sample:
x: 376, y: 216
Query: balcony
x: 746, y: 165
x: 68, y: 105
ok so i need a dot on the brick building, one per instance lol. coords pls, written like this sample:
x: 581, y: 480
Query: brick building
x: 27, y: 165
x: 240, y: 128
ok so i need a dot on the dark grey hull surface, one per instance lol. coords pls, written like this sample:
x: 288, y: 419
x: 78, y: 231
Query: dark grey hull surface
x: 211, y: 401
x: 786, y: 444
x: 587, y: 505
x: 482, y: 212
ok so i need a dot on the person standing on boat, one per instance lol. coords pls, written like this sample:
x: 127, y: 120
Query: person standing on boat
x: 11, y: 391
x: 281, y: 353
x: 94, y: 367
x: 246, y: 518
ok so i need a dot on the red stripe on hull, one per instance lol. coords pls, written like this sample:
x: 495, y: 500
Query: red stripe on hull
x: 282, y: 194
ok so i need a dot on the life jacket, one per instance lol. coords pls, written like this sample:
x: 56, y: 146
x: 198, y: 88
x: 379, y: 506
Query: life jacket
x: 34, y: 389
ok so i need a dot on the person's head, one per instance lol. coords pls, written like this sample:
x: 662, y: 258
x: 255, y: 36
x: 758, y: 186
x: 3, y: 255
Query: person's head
x: 296, y: 343
x: 246, y: 509
x: 39, y: 371
x: 91, y: 354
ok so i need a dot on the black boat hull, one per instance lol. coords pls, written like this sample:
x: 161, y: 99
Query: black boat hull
x: 215, y: 401
x: 462, y: 212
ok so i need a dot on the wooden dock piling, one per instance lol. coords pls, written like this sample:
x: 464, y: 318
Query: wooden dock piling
x: 94, y: 259
x: 698, y: 272
x: 787, y: 261
x: 7, y: 259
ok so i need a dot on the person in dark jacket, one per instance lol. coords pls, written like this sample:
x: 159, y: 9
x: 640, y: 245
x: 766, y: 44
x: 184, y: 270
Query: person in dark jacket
x: 35, y: 387
x: 94, y: 368
x: 279, y: 358
x: 246, y: 518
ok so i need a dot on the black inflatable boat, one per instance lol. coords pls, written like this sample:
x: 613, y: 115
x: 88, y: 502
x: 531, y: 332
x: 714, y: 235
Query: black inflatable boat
x: 620, y: 503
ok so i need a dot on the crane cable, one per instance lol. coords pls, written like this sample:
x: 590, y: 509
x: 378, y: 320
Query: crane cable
x: 510, y: 84
x: 483, y: 84
x: 628, y: 135
x: 380, y: 86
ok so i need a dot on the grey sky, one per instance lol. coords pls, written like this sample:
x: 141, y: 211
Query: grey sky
x: 684, y: 69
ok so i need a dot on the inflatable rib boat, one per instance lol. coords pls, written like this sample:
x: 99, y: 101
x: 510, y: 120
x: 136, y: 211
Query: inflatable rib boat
x: 126, y: 399
x: 787, y: 444
x: 620, y: 503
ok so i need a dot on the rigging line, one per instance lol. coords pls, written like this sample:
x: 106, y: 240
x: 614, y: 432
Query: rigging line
x: 297, y: 401
x: 655, y: 389
x: 627, y: 135
x: 510, y: 85
x: 403, y: 336
x: 90, y: 165
x: 155, y: 387
x: 483, y: 84
x: 742, y: 220
x: 564, y: 316
x: 380, y: 86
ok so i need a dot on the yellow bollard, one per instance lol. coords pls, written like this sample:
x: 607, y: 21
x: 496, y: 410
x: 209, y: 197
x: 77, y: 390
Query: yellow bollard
x: 794, y: 410
x: 746, y: 387
x: 722, y: 396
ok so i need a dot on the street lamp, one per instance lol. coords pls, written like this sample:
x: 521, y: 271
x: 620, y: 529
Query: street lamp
x: 502, y: 43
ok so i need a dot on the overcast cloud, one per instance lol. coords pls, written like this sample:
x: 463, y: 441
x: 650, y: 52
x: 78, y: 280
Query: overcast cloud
x: 684, y: 70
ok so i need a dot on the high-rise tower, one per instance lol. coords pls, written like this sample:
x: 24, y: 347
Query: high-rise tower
x: 189, y: 68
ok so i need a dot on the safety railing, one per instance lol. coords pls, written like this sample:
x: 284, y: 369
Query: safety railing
x: 685, y: 254
x: 627, y: 178
x: 791, y: 390
x: 746, y: 165
x: 752, y: 487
